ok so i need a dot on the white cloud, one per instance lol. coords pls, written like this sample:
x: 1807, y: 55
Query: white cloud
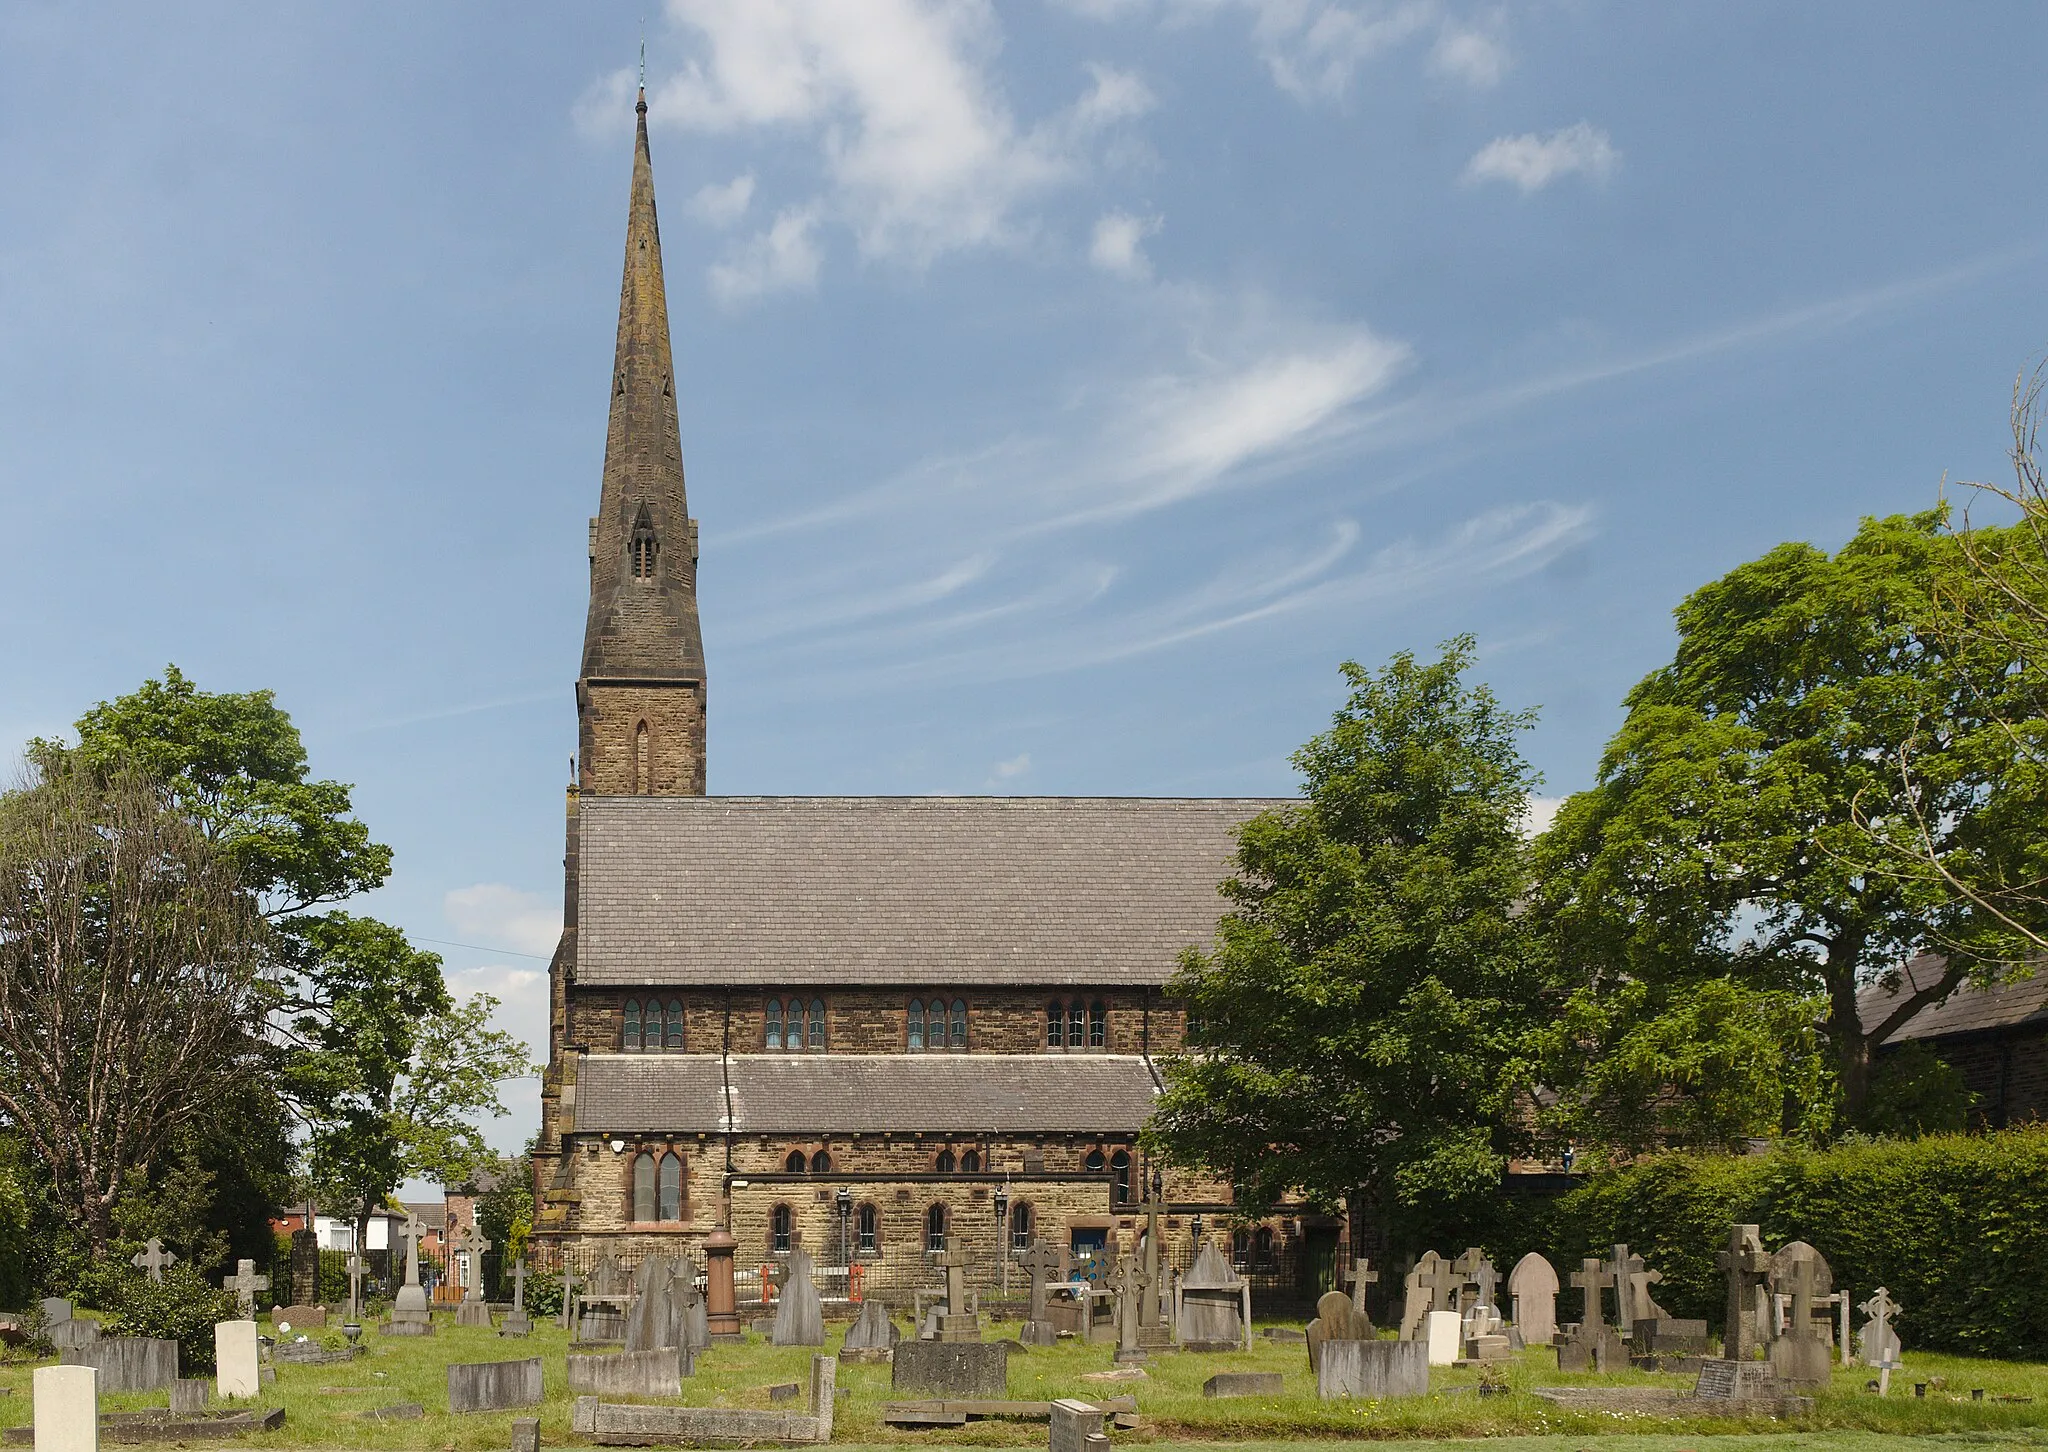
x: 1016, y: 766
x: 1470, y: 54
x: 1118, y: 245
x: 781, y: 259
x: 724, y: 204
x: 503, y: 916
x: 1542, y: 811
x: 1533, y: 162
x: 919, y: 149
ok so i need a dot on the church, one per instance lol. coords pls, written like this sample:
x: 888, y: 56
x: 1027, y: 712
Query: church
x: 879, y: 1027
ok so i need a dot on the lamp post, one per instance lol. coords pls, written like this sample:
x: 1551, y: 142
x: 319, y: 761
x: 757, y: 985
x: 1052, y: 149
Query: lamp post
x: 845, y: 1201
x: 1196, y: 1225
x: 1003, y: 1235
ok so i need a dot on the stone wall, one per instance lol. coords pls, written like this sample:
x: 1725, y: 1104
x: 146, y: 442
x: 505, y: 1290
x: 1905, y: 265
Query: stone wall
x: 611, y: 717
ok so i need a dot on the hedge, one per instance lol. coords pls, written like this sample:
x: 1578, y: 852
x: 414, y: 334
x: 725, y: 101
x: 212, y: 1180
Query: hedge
x: 1955, y: 1226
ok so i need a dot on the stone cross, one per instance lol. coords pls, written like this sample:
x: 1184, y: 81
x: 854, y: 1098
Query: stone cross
x: 1632, y: 1281
x: 954, y: 1260
x: 1132, y: 1286
x: 570, y: 1281
x: 245, y: 1283
x: 1592, y: 1277
x: 1880, y: 1342
x: 519, y: 1284
x: 1745, y: 1264
x: 1474, y: 1269
x: 1043, y: 1261
x: 1359, y: 1276
x: 1805, y: 1279
x: 471, y: 1240
x: 413, y: 1229
x: 154, y: 1259
x: 355, y: 1285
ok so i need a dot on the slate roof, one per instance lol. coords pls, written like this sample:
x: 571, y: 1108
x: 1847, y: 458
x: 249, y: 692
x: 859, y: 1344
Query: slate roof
x: 899, y: 890
x: 1968, y: 1010
x: 866, y: 1093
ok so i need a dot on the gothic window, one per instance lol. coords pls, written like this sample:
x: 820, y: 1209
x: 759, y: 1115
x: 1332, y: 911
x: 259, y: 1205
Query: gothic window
x: 1262, y: 1248
x: 630, y: 1040
x: 959, y: 1038
x: 773, y: 1034
x: 1240, y: 1248
x: 1120, y: 1172
x: 866, y: 1229
x: 935, y: 1229
x: 1077, y: 1024
x: 821, y: 1163
x: 779, y: 1222
x: 1098, y: 1025
x: 675, y: 1023
x: 643, y: 760
x: 817, y: 1039
x: 796, y: 1164
x: 1095, y: 1164
x: 671, y: 1188
x: 1055, y: 1025
x: 944, y: 1163
x: 916, y: 1035
x: 643, y: 1187
x: 970, y: 1162
x: 1020, y: 1225
x: 644, y: 547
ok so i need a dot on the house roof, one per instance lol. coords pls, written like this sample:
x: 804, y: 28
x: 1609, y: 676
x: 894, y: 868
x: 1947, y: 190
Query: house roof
x: 865, y: 1094
x: 899, y: 890
x: 1973, y: 1008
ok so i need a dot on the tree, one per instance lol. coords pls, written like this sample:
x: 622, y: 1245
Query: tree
x: 132, y: 981
x: 1354, y: 1032
x: 390, y: 1068
x: 1726, y: 843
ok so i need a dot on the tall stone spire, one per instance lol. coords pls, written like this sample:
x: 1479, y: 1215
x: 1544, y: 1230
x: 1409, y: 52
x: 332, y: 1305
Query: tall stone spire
x: 640, y: 698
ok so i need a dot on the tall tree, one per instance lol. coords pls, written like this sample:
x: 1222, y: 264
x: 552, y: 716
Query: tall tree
x: 1727, y: 838
x: 132, y: 984
x: 1372, y: 983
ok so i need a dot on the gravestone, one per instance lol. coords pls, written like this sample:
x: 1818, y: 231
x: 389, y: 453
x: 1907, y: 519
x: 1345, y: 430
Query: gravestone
x: 957, y: 1323
x: 1722, y: 1380
x: 602, y: 1319
x: 1337, y: 1319
x: 1375, y: 1369
x: 1878, y: 1340
x: 493, y: 1386
x: 1214, y: 1302
x: 189, y: 1395
x: 409, y: 1313
x: 1043, y: 1262
x: 1632, y: 1281
x: 127, y: 1363
x: 65, y: 1328
x: 1533, y: 1286
x: 1442, y: 1334
x: 1136, y: 1293
x: 236, y: 1371
x: 571, y: 1282
x: 1244, y: 1384
x: 153, y: 1260
x: 966, y: 1370
x: 1745, y: 1265
x: 305, y: 1266
x: 473, y: 1310
x: 1476, y: 1283
x: 872, y: 1337
x: 516, y: 1322
x: 67, y: 1409
x: 245, y: 1283
x: 1075, y: 1426
x: 526, y: 1434
x: 1592, y: 1344
x: 301, y: 1317
x: 655, y: 1321
x: 799, y: 1311
x: 355, y: 1287
x: 630, y: 1373
x: 1799, y: 1358
x: 696, y: 1322
x: 1422, y: 1286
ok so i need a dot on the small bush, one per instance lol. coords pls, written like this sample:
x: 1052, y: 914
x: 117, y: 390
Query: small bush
x: 181, y: 1308
x: 543, y: 1296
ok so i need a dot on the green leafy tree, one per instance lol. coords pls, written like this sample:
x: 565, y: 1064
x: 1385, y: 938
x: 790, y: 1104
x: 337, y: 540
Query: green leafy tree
x: 504, y: 1212
x: 1719, y: 876
x: 1353, y: 1034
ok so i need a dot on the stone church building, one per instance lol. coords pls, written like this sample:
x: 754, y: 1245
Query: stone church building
x: 886, y: 1025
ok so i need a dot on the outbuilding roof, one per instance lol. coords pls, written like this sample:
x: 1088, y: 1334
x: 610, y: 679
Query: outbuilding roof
x: 1971, y: 1009
x: 899, y: 890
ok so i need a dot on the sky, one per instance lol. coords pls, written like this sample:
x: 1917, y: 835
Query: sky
x: 1066, y: 387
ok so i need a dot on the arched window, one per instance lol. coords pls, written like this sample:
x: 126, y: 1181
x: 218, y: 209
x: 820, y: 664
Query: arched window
x: 645, y: 546
x: 1055, y: 1025
x: 630, y: 1041
x: 821, y: 1163
x: 1240, y: 1248
x: 1120, y: 1172
x: 916, y: 1035
x: 817, y: 1038
x: 866, y: 1228
x: 935, y: 1030
x: 944, y: 1163
x: 671, y: 1188
x: 1098, y: 1025
x: 643, y: 1187
x: 970, y: 1162
x: 1020, y: 1225
x: 779, y: 1220
x: 1077, y: 1024
x: 793, y: 1031
x: 959, y: 1038
x: 796, y: 1164
x: 1262, y: 1248
x: 773, y: 1034
x: 675, y: 1024
x: 1095, y: 1164
x: 935, y: 1228
x: 643, y: 756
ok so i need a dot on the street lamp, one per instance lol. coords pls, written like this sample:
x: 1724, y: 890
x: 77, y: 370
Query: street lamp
x: 1002, y: 1235
x: 1196, y: 1225
x: 845, y: 1199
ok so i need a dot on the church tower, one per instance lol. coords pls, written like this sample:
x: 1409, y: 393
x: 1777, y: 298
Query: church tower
x: 640, y: 695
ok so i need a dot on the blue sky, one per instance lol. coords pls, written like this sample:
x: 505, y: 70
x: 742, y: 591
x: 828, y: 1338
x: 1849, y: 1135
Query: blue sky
x: 1066, y: 387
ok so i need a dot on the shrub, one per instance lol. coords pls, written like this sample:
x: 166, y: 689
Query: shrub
x: 181, y: 1308
x: 543, y: 1295
x: 1955, y: 1226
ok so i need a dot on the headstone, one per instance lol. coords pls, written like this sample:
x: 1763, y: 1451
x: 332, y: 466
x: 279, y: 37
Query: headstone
x: 1442, y: 1332
x: 305, y: 1265
x: 1477, y: 1282
x: 799, y: 1311
x: 657, y: 1373
x: 570, y: 1283
x: 872, y: 1337
x: 655, y: 1321
x: 396, y: 1412
x: 968, y: 1370
x: 1879, y: 1341
x: 473, y: 1310
x: 245, y: 1283
x: 1799, y: 1358
x: 127, y: 1363
x: 1245, y: 1384
x: 65, y: 1328
x: 493, y: 1386
x: 1533, y: 1286
x: 67, y: 1409
x: 153, y: 1260
x: 696, y: 1326
x: 1417, y: 1288
x: 1745, y: 1265
x: 355, y: 1287
x: 1043, y: 1261
x: 1212, y: 1300
x: 783, y: 1391
x: 516, y: 1322
x: 301, y: 1317
x: 1722, y: 1380
x: 409, y: 1313
x: 189, y: 1395
x: 526, y: 1434
x: 235, y: 1360
x: 1075, y: 1426
x: 1134, y: 1290
x: 958, y: 1323
x: 1337, y: 1319
x: 1374, y: 1369
x: 1592, y: 1279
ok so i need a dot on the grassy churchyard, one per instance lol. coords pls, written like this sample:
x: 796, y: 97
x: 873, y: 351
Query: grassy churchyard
x: 324, y: 1405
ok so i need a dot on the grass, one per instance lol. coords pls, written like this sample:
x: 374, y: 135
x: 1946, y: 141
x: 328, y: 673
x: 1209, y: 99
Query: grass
x: 323, y: 1404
